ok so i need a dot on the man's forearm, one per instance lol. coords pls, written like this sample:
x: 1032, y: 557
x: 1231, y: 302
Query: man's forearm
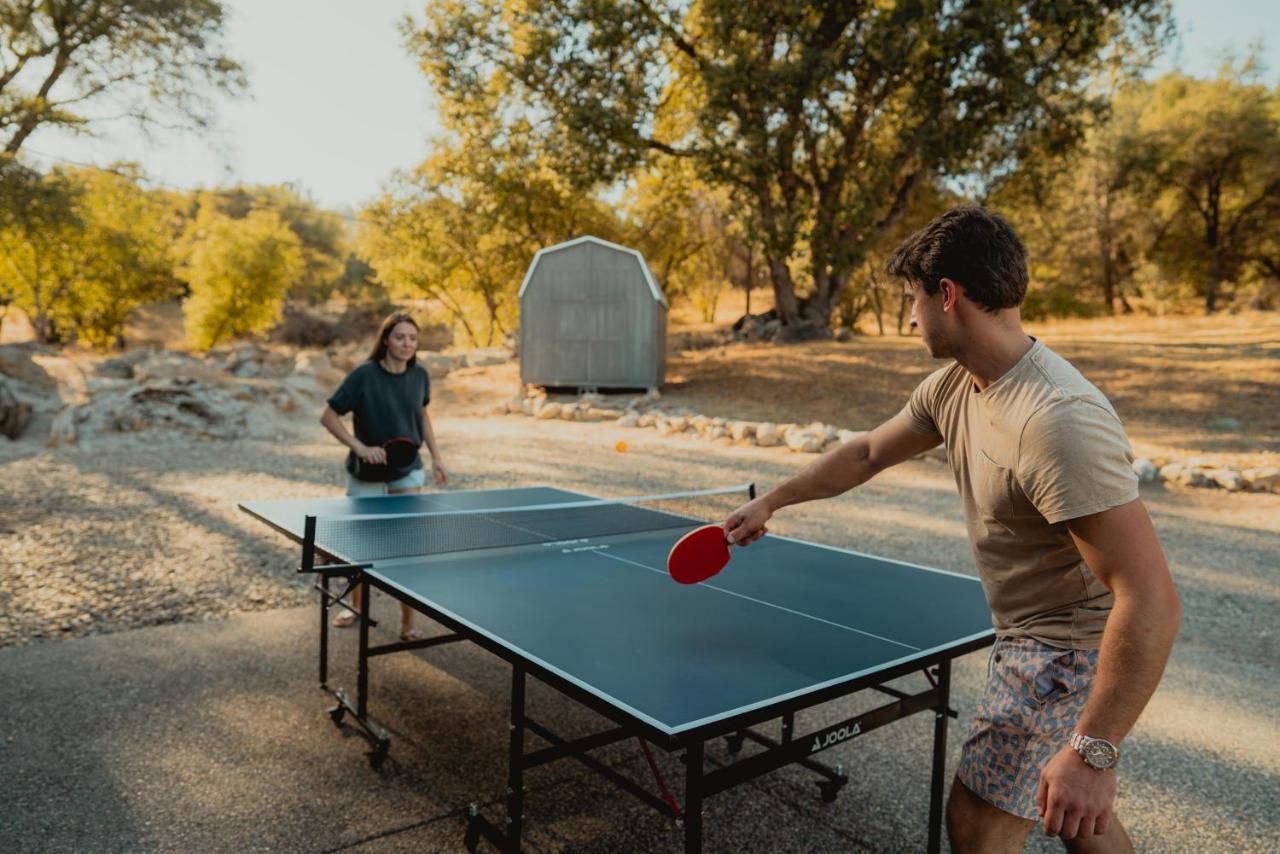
x: 1135, y: 648
x: 835, y: 472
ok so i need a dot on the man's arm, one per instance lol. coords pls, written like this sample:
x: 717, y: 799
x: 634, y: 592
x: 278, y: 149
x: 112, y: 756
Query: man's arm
x: 1121, y: 548
x: 837, y: 471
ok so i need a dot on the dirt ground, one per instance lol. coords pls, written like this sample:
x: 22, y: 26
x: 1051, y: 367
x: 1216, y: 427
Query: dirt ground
x: 1169, y: 378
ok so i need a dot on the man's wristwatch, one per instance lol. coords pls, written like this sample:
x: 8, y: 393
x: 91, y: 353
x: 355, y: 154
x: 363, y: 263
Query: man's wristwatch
x: 1096, y: 752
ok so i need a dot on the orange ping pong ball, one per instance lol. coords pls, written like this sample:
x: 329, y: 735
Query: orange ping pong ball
x: 621, y: 447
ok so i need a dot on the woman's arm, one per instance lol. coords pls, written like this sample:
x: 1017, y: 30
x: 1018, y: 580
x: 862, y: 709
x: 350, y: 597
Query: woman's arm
x: 332, y: 422
x: 437, y: 464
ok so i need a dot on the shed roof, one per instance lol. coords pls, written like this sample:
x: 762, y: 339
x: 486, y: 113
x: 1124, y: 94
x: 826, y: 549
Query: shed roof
x: 587, y: 238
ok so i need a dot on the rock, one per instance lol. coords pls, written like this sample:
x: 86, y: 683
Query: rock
x: 485, y: 356
x: 768, y: 435
x: 1228, y: 479
x: 715, y: 433
x: 548, y: 411
x: 1145, y: 470
x: 843, y: 436
x: 631, y: 419
x: 700, y: 423
x: 437, y: 365
x: 15, y: 415
x: 63, y: 429
x: 805, y: 441
x: 678, y: 424
x: 600, y: 413
x: 653, y: 395
x: 648, y: 419
x: 1170, y: 472
x: 1264, y: 479
x: 527, y: 406
x: 569, y: 412
x: 742, y: 430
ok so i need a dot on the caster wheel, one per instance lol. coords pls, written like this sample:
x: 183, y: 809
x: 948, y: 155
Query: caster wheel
x: 830, y: 789
x: 379, y: 755
x: 336, y: 714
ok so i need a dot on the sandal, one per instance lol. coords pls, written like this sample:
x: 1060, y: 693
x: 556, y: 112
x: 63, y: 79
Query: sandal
x: 345, y: 619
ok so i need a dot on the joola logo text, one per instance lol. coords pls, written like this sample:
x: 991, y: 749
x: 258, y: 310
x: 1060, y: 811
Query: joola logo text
x: 835, y: 737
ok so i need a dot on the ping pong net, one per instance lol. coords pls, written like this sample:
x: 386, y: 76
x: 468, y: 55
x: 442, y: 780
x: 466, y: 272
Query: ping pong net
x: 363, y: 538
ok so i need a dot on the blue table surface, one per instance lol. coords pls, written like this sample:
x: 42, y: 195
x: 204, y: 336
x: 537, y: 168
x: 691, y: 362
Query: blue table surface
x: 784, y: 618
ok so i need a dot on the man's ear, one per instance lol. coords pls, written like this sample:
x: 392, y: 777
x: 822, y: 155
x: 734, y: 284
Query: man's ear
x: 950, y: 293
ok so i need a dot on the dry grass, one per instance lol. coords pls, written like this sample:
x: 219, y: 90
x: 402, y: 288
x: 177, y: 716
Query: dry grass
x: 1168, y: 377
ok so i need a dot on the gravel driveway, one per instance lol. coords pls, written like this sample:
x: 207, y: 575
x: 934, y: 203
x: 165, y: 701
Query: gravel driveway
x: 118, y: 537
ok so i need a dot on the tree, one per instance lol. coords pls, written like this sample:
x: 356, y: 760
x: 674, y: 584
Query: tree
x: 819, y: 117
x: 238, y: 271
x: 151, y: 61
x: 686, y: 232
x: 39, y: 223
x: 80, y: 249
x: 1213, y: 155
x: 463, y: 228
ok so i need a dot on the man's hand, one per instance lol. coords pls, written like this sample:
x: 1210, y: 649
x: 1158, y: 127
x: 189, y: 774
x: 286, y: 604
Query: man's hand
x: 371, y: 454
x: 437, y: 469
x: 747, y: 524
x: 1075, y: 800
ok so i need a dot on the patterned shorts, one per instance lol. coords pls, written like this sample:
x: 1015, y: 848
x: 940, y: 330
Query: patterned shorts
x: 1033, y: 696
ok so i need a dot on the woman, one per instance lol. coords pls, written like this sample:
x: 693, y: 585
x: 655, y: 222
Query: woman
x: 387, y: 396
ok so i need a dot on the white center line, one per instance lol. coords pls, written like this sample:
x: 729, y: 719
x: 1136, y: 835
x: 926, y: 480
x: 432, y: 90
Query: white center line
x: 767, y: 604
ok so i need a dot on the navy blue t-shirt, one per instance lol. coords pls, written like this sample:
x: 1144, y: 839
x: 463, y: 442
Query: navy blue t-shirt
x: 384, y: 406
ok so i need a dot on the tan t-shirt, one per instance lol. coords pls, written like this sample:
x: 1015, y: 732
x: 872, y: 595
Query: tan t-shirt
x: 1038, y: 447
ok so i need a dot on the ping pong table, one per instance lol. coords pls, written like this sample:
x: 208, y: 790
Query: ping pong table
x: 573, y: 591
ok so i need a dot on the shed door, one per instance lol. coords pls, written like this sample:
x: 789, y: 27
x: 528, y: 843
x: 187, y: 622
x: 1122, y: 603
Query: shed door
x: 573, y: 338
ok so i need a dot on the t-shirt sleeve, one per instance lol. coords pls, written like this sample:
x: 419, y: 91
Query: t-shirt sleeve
x: 426, y: 387
x: 922, y: 406
x: 1075, y: 460
x: 347, y: 396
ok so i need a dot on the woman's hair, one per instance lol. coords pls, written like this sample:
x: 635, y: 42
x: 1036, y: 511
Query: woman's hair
x: 384, y: 332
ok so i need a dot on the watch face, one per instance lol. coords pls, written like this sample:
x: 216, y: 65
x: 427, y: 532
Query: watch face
x: 1099, y: 753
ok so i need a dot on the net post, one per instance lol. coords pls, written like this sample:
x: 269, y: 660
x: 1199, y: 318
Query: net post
x: 751, y: 491
x: 308, y: 544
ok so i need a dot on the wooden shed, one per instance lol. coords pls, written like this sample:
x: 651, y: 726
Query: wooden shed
x: 592, y: 316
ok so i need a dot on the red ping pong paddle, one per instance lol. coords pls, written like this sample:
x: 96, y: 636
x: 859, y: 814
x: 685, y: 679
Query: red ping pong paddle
x: 698, y: 555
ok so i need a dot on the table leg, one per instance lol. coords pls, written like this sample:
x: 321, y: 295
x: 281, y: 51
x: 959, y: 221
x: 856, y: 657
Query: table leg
x: 515, y: 768
x: 324, y: 630
x: 693, y: 799
x: 939, y: 757
x: 362, y: 678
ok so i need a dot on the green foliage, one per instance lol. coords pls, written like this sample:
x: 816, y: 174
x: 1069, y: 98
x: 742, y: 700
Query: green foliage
x: 820, y: 119
x: 81, y: 249
x: 1174, y: 195
x: 238, y: 271
x: 151, y: 61
x: 461, y: 231
x: 322, y: 235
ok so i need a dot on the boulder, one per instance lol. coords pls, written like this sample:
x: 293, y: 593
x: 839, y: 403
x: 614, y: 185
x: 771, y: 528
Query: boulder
x: 843, y: 436
x: 1146, y: 471
x: 1263, y: 479
x: 548, y: 411
x: 15, y: 415
x: 1227, y: 478
x: 768, y: 435
x: 805, y: 441
x: 648, y: 419
x: 631, y: 419
x: 742, y: 430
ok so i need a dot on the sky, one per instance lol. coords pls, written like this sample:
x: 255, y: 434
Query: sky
x: 337, y: 104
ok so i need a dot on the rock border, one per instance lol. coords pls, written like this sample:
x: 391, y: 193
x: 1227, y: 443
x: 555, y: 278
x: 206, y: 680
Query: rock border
x: 648, y: 412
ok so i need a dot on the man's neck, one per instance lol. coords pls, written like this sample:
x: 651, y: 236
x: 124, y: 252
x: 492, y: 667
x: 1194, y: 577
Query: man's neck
x: 989, y: 357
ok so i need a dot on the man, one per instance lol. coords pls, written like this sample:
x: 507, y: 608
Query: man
x: 1082, y: 601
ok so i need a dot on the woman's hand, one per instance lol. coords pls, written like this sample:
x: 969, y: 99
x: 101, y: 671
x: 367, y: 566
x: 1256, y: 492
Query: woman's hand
x: 371, y: 454
x: 437, y: 469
